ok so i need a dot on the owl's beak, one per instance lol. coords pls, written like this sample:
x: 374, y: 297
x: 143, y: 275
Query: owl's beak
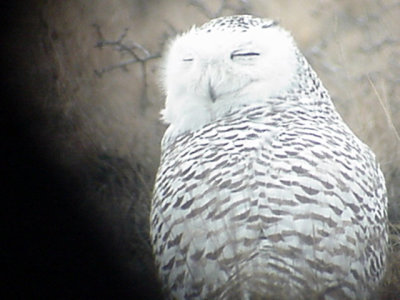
x: 211, y: 92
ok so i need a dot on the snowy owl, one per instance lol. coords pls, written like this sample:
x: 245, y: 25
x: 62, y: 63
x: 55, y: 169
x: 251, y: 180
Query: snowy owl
x: 262, y: 192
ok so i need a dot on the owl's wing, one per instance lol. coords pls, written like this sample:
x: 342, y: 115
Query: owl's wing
x: 295, y: 197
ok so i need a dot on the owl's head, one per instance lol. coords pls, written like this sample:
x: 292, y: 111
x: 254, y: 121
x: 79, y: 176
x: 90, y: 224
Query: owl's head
x: 227, y: 62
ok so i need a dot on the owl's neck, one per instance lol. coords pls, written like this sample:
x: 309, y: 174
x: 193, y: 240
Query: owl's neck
x: 307, y: 87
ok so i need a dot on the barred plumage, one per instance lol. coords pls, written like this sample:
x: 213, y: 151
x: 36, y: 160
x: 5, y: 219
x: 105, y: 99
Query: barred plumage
x: 262, y: 190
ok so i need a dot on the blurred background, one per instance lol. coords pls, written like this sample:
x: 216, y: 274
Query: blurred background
x: 80, y: 120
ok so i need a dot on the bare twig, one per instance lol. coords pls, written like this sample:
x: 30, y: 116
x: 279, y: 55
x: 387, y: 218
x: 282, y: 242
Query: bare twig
x: 379, y: 45
x: 394, y: 235
x: 207, y: 12
x: 138, y: 52
x: 224, y: 5
x: 383, y: 104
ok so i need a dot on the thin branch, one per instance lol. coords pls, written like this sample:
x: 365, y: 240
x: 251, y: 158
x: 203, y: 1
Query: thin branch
x: 224, y: 5
x: 201, y: 6
x: 383, y: 103
x: 123, y: 65
x: 138, y: 52
x: 379, y: 45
